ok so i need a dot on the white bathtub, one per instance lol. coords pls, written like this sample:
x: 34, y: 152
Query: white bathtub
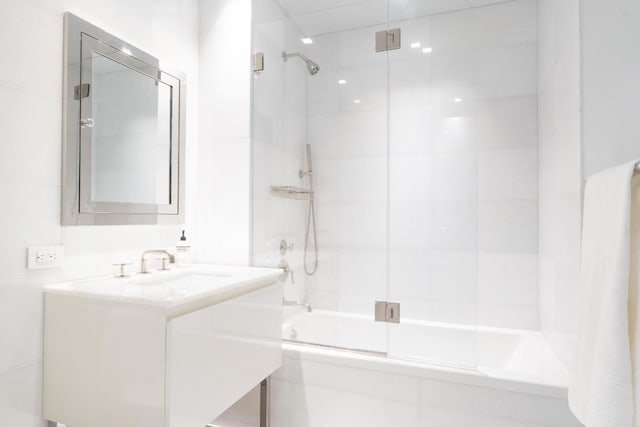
x: 501, y: 377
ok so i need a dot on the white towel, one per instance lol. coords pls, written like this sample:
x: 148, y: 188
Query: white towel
x: 604, y: 379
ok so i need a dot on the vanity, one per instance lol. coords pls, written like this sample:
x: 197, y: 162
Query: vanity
x: 172, y: 348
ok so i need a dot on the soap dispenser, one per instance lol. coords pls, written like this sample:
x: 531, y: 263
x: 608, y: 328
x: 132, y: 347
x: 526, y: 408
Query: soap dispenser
x: 182, y: 252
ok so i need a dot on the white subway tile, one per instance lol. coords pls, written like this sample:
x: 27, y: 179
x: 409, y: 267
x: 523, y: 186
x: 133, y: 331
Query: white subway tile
x: 31, y: 136
x: 508, y: 174
x: 508, y: 23
x: 508, y: 226
x: 21, y: 396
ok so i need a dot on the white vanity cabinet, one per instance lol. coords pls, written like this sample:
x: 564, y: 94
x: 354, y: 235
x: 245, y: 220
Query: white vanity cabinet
x: 172, y: 349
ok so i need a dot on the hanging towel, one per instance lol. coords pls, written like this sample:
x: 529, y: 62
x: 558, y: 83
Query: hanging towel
x: 604, y: 384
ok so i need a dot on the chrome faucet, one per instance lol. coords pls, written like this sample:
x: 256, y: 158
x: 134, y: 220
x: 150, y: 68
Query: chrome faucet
x: 143, y: 261
x: 300, y: 304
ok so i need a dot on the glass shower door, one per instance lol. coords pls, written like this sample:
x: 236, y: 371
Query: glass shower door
x: 433, y: 200
x: 336, y: 115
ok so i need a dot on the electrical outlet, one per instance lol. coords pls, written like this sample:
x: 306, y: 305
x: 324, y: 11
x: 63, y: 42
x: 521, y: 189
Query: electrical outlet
x: 44, y: 257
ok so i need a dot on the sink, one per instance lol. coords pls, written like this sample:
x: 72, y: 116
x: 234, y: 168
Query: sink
x: 171, y: 348
x: 177, y: 291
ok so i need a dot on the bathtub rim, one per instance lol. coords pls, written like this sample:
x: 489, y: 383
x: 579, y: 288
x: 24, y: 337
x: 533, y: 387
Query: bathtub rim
x: 482, y: 377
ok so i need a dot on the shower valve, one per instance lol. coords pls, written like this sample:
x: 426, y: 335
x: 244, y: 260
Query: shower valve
x: 284, y: 265
x: 285, y: 247
x: 303, y: 173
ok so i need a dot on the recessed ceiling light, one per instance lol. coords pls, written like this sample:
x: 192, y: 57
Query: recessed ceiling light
x: 342, y: 82
x: 427, y: 50
x: 457, y: 100
x: 307, y: 40
x: 415, y: 45
x: 356, y: 101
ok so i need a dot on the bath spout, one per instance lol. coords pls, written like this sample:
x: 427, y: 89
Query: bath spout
x: 296, y: 303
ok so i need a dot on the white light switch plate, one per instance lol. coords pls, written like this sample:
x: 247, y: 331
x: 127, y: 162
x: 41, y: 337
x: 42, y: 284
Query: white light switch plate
x: 44, y: 257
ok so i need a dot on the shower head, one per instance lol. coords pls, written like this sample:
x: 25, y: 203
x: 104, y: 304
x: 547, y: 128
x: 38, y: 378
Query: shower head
x: 312, y: 67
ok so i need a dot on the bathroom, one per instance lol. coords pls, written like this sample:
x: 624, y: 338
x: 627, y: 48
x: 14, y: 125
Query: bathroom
x: 416, y: 198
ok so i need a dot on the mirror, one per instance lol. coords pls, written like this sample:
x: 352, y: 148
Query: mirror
x: 124, y: 142
x: 131, y: 135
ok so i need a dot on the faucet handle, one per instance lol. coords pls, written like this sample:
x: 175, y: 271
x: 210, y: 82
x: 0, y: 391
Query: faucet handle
x: 285, y: 247
x: 122, y: 266
x: 286, y: 270
x: 164, y: 263
x: 143, y: 266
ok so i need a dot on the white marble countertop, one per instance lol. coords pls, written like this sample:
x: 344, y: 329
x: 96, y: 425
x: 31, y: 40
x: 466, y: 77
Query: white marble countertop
x: 178, y: 290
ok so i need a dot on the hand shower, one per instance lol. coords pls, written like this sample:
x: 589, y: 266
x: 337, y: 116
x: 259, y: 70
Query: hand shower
x: 311, y: 218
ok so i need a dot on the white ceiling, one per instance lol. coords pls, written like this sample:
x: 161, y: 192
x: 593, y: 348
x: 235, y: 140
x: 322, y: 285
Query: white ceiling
x: 315, y: 17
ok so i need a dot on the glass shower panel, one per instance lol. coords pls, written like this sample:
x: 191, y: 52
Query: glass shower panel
x: 340, y: 114
x: 433, y: 183
x: 278, y: 127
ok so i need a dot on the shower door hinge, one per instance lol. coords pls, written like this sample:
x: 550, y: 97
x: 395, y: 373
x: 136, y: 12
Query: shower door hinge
x: 387, y: 312
x: 257, y: 63
x: 388, y: 40
x: 81, y: 91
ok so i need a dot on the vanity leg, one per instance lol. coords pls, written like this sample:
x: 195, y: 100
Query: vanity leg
x: 265, y: 401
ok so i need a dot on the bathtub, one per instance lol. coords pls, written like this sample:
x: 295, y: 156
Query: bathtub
x: 489, y: 377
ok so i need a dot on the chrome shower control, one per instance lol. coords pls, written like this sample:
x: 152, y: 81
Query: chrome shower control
x: 284, y: 265
x: 285, y: 247
x: 302, y: 173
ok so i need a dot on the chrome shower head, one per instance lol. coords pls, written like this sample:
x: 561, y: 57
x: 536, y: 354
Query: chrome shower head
x: 312, y: 66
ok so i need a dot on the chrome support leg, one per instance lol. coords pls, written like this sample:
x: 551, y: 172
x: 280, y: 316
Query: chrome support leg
x: 265, y: 401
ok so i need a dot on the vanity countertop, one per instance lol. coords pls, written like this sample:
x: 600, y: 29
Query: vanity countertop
x: 178, y: 290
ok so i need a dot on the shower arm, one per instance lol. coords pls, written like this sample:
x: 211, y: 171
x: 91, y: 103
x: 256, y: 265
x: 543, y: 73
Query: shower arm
x: 286, y: 56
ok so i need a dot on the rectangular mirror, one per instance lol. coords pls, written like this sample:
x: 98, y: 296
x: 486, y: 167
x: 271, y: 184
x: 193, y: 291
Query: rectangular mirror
x: 124, y: 133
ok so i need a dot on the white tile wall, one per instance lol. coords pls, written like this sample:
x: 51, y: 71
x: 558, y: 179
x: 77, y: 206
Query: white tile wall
x: 560, y: 179
x: 508, y: 122
x: 21, y: 395
x: 519, y: 164
x: 610, y: 89
x: 31, y: 37
x: 307, y: 393
x: 508, y: 226
x: 223, y: 187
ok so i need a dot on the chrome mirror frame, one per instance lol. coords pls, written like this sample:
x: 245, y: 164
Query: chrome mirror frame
x: 82, y: 38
